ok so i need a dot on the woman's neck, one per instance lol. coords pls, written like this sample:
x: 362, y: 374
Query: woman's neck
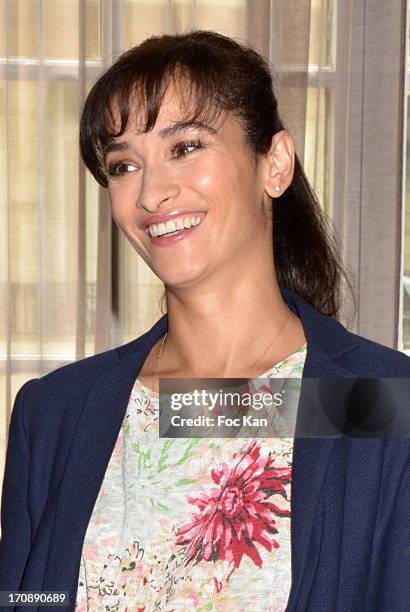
x: 220, y: 336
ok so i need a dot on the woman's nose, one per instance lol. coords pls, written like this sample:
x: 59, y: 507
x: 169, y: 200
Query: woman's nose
x: 156, y: 188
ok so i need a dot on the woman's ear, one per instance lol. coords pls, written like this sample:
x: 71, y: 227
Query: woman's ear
x: 281, y: 164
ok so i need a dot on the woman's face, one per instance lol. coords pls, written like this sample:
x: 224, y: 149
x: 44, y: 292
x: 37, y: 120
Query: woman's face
x: 190, y: 172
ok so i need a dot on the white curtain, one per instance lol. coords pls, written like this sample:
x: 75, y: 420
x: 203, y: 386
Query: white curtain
x: 70, y: 284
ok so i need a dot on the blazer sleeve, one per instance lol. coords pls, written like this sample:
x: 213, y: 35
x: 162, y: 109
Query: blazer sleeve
x: 15, y: 518
x: 396, y: 557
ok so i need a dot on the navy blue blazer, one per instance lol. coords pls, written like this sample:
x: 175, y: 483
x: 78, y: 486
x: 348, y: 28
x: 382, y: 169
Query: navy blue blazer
x: 350, y: 497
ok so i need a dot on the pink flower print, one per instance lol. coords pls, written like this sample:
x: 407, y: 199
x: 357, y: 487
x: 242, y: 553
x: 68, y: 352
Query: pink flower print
x: 236, y: 516
x: 194, y: 596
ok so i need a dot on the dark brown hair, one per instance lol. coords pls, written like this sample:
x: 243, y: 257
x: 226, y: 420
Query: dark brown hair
x: 222, y: 75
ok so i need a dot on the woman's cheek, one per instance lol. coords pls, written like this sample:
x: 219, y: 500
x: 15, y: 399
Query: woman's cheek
x: 123, y: 203
x: 207, y: 175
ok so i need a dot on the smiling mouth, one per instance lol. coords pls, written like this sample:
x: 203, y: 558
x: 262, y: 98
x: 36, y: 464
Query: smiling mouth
x: 174, y: 226
x: 174, y: 230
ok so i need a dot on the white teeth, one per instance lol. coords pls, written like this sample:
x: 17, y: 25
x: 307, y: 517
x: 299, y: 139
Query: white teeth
x: 171, y: 227
x: 159, y: 229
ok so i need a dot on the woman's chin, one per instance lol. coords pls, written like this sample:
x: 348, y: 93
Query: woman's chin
x: 181, y: 277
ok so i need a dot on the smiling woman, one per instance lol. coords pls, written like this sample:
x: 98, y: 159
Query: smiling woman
x: 187, y: 128
x: 204, y: 181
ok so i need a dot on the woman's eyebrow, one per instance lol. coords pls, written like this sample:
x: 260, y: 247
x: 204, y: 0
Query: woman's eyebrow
x: 167, y: 132
x: 116, y: 146
x: 183, y: 126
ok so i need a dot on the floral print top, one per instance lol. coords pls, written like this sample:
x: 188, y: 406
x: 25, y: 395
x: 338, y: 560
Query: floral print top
x: 190, y: 523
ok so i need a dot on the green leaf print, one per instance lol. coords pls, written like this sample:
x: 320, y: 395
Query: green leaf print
x: 208, y: 606
x: 144, y: 457
x: 163, y: 458
x: 188, y: 453
x: 159, y: 483
x: 214, y: 445
x: 184, y: 481
x: 159, y: 505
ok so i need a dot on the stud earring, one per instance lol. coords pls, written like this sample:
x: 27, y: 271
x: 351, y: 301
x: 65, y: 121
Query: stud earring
x: 277, y: 188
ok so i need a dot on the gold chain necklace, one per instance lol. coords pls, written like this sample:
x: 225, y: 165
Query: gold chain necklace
x: 254, y: 363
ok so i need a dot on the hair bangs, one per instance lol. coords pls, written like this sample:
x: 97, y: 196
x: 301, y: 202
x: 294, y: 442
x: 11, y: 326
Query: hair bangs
x: 137, y: 101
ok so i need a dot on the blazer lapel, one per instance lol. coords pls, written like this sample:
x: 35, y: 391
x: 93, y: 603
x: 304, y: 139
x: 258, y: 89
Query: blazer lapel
x: 311, y: 459
x: 327, y: 340
x: 91, y: 450
x: 89, y: 456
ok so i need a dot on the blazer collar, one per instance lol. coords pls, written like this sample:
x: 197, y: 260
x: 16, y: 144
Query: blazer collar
x: 98, y: 429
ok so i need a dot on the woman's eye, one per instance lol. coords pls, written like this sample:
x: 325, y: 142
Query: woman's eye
x: 120, y: 168
x: 180, y: 149
x: 186, y: 147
